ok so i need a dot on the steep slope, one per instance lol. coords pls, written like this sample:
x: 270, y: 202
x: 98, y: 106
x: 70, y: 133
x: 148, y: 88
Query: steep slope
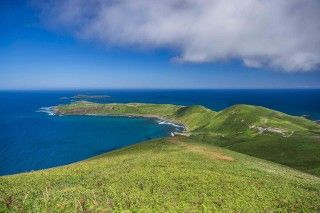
x: 174, y: 174
x: 195, y: 117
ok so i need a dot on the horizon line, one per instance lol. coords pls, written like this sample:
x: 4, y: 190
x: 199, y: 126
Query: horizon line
x: 135, y: 88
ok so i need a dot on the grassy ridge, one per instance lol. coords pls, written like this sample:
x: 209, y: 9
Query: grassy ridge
x: 192, y: 117
x: 237, y: 119
x: 165, y: 175
x: 257, y: 131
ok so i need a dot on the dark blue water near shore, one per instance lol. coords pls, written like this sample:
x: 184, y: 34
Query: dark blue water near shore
x: 31, y: 140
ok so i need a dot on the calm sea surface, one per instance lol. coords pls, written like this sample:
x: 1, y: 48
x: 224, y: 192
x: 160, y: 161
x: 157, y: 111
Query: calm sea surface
x: 31, y: 140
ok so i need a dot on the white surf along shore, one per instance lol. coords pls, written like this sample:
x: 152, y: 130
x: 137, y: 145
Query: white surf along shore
x: 48, y: 110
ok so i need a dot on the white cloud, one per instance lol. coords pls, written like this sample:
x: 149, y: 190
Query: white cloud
x: 281, y: 34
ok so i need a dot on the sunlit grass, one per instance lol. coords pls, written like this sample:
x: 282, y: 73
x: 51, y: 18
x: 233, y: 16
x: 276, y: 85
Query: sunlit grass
x: 173, y: 174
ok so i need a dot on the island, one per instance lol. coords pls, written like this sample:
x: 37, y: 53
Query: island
x: 81, y: 96
x: 63, y: 98
x: 243, y: 158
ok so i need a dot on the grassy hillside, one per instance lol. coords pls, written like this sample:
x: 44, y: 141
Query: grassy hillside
x: 257, y: 131
x: 267, y: 134
x: 250, y: 120
x: 165, y: 175
x: 192, y: 117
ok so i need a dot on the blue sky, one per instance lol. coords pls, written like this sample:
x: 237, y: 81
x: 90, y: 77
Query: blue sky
x: 34, y: 55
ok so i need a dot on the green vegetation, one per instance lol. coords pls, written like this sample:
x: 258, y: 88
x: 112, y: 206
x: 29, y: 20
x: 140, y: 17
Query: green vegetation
x: 184, y: 174
x: 257, y: 131
x: 192, y: 117
x: 164, y: 175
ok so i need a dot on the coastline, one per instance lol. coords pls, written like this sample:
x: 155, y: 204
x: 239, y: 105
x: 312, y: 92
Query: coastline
x: 150, y: 116
x: 52, y: 111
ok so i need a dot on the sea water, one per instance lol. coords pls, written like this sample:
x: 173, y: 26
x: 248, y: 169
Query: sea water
x: 32, y: 137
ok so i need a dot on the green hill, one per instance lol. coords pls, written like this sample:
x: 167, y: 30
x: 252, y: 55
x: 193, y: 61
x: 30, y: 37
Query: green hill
x: 267, y: 134
x: 184, y: 174
x: 194, y: 117
x: 257, y: 131
x: 174, y: 174
x: 250, y: 120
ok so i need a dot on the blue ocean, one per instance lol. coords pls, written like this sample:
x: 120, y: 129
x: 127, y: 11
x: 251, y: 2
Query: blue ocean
x: 31, y: 139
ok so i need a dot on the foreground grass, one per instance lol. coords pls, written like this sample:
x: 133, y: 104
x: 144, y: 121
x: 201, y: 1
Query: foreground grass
x: 167, y: 175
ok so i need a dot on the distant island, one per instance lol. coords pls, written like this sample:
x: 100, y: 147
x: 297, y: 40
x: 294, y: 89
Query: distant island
x: 63, y: 98
x: 81, y: 96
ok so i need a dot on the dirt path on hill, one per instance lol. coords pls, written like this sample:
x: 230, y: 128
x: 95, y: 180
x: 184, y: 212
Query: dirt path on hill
x: 201, y: 150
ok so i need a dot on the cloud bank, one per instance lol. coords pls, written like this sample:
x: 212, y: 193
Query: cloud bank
x: 279, y: 34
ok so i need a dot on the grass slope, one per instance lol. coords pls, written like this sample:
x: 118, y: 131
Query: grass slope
x: 164, y: 175
x: 257, y: 131
x: 289, y: 140
x: 192, y: 117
